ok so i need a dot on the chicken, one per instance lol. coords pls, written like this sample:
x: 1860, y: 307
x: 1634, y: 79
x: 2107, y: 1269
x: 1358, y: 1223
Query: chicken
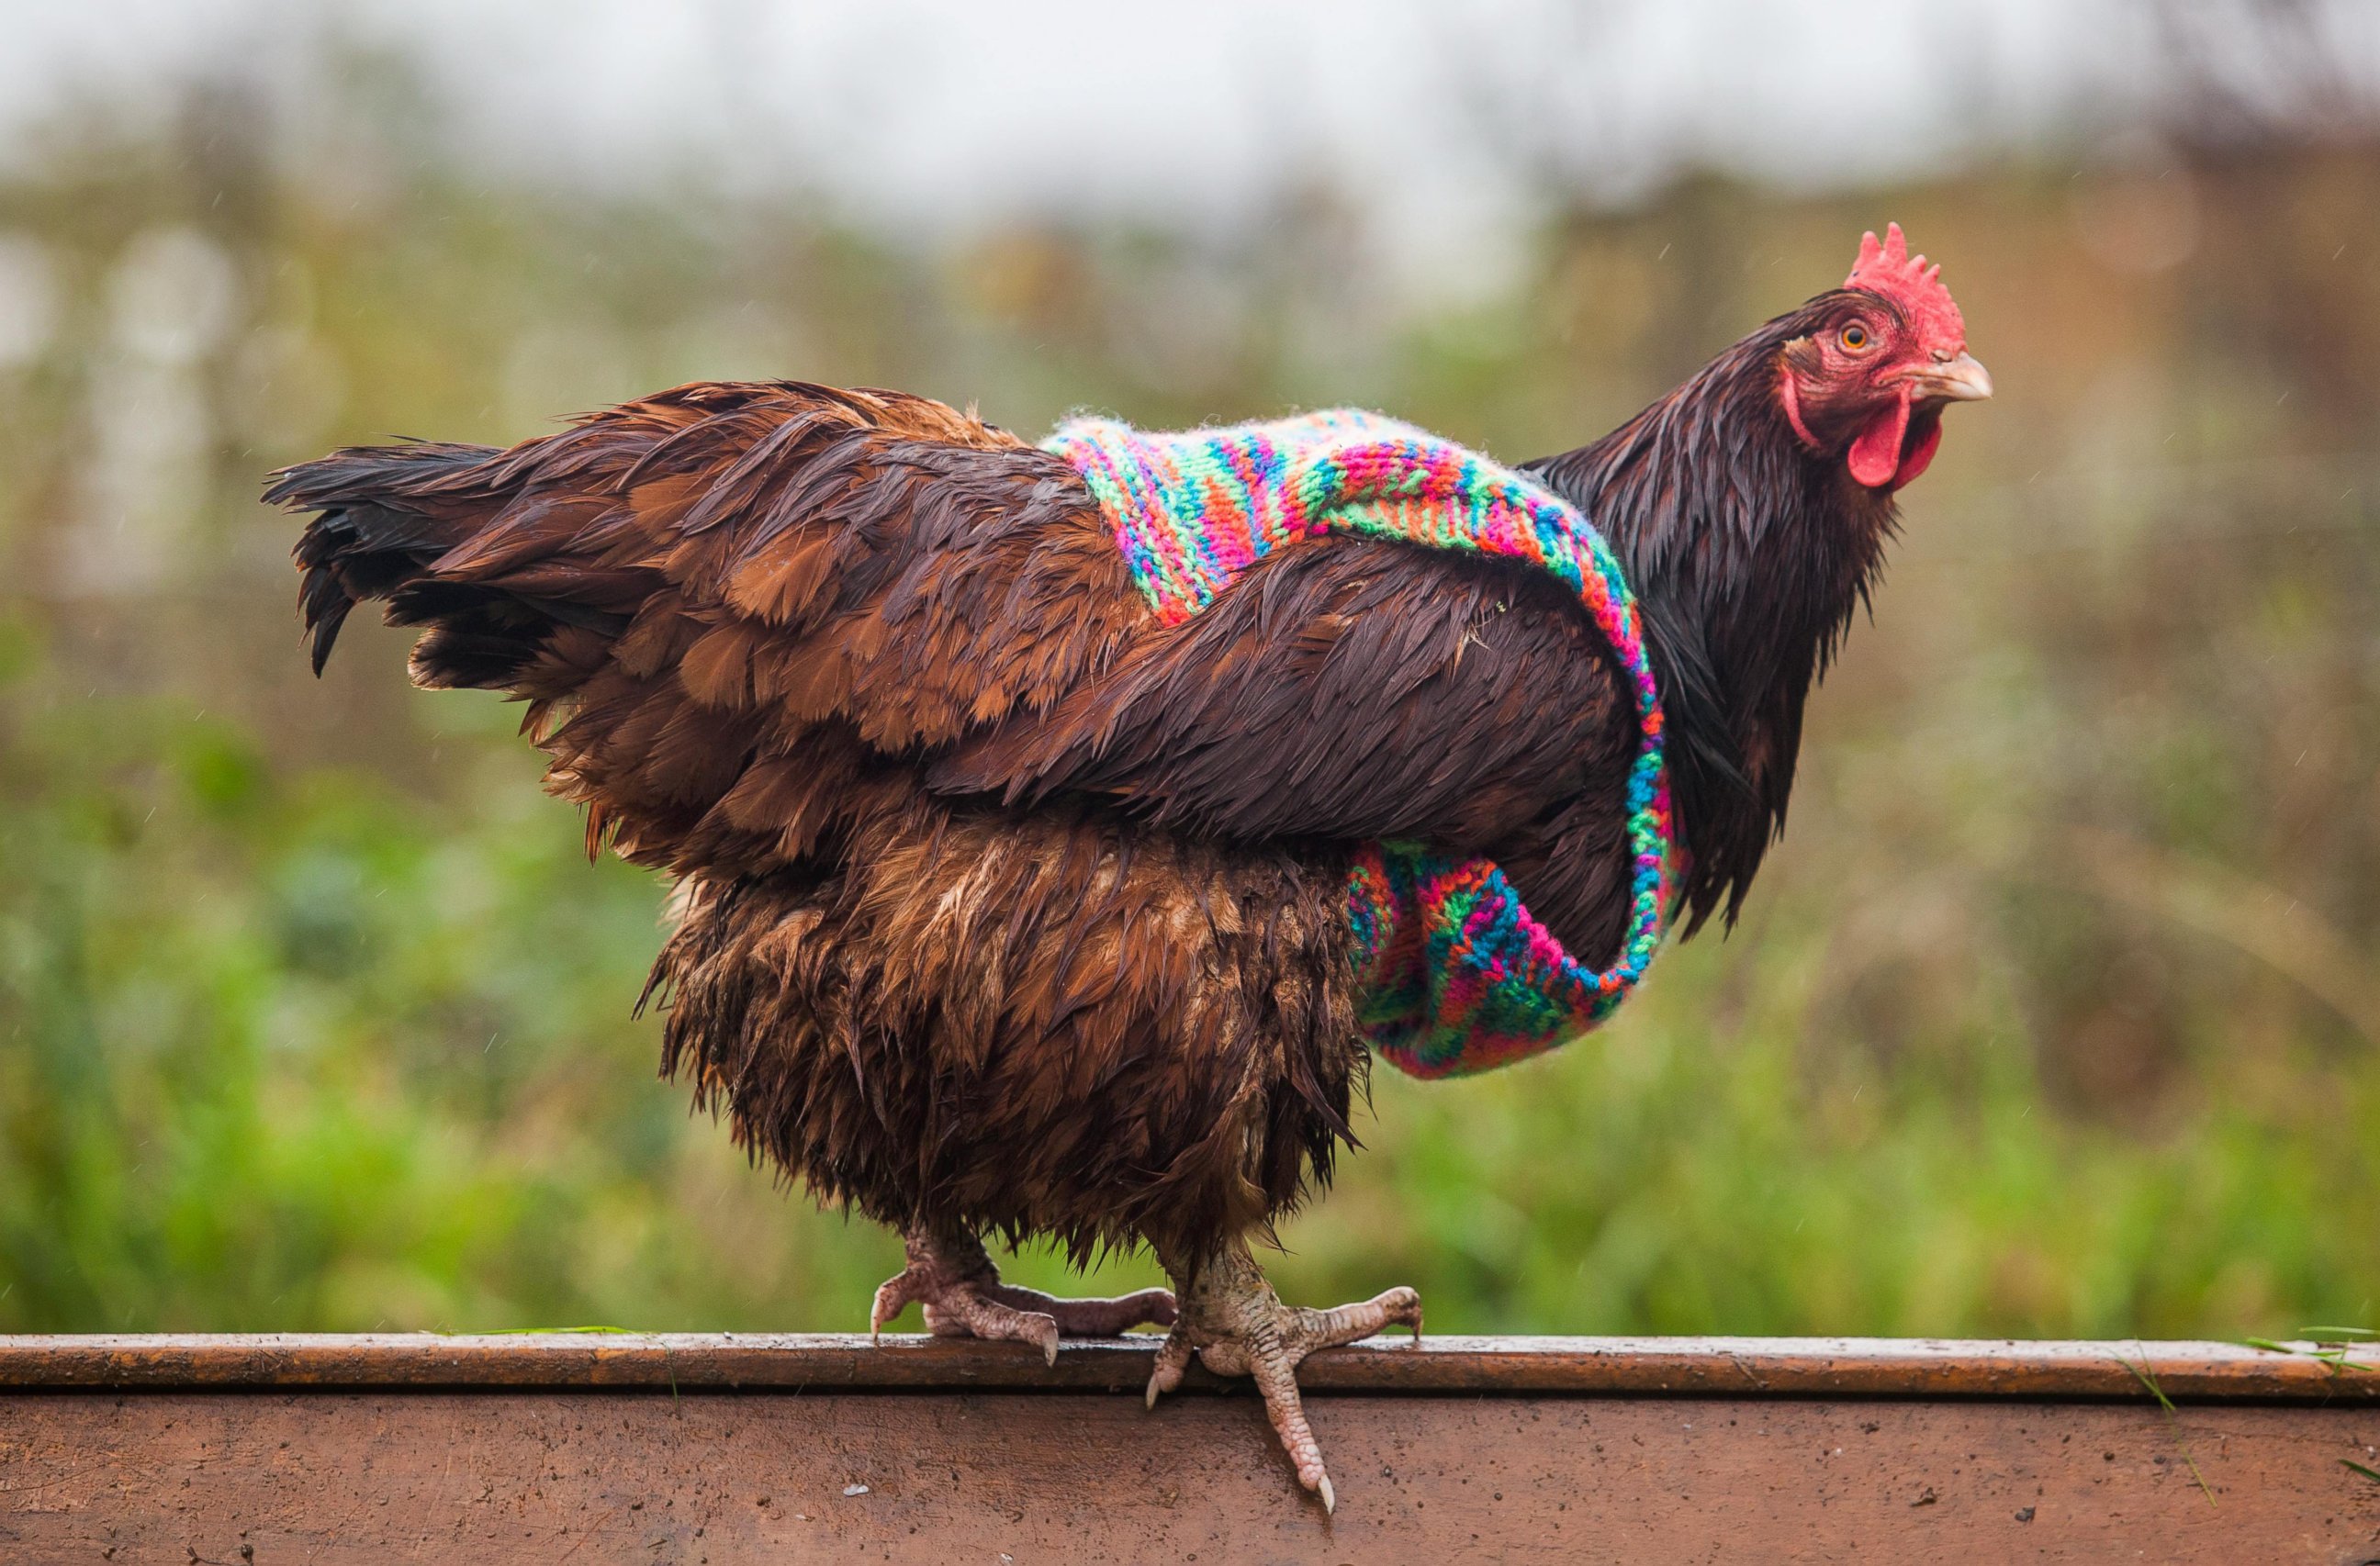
x: 1006, y: 905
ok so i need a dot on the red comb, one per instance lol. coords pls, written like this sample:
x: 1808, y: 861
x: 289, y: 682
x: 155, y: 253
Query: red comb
x: 1887, y: 268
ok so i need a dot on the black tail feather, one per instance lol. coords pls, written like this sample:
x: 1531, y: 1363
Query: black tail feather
x: 384, y: 514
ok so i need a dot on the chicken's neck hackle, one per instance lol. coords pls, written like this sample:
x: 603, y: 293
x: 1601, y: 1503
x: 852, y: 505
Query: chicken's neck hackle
x: 1749, y: 555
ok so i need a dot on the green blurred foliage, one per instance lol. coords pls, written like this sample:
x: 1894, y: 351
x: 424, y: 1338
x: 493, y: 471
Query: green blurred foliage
x: 2055, y: 1014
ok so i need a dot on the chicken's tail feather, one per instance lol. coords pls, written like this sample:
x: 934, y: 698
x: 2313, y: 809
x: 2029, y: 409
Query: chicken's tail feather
x: 398, y: 523
x: 384, y: 514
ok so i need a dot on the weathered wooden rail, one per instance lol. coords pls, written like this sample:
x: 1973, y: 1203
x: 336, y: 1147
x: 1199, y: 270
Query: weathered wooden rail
x: 723, y: 1448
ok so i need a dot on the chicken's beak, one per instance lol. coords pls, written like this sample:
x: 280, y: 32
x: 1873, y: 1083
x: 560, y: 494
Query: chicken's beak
x: 1960, y: 380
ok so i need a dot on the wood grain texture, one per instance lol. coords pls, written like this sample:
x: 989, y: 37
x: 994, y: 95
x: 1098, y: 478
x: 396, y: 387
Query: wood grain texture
x: 709, y: 1478
x: 702, y: 1448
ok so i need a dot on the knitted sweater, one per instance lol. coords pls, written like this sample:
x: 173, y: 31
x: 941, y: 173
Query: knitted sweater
x: 1456, y: 975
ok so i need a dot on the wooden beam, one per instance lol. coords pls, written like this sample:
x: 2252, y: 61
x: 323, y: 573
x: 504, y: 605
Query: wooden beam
x: 717, y: 1449
x: 1922, y: 1367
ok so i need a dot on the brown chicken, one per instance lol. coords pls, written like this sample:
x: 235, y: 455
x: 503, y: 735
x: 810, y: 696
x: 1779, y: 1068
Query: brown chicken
x: 1003, y: 907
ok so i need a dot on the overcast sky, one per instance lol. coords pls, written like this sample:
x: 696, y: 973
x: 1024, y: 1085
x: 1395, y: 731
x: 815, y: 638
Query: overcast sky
x: 1431, y: 116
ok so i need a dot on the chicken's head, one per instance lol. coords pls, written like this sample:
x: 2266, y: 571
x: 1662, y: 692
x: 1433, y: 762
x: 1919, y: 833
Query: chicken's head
x: 1878, y: 360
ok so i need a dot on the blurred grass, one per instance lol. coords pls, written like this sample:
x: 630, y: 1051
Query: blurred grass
x: 2053, y: 1015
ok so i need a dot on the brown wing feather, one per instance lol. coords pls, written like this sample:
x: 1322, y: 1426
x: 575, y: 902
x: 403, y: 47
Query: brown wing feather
x: 729, y: 605
x: 1359, y: 690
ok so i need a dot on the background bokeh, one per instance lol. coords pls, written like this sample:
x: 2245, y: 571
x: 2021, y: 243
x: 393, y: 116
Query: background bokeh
x: 2055, y: 1014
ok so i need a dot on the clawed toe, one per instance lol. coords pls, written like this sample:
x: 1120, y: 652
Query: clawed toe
x: 1093, y: 1317
x: 1228, y: 1317
x: 952, y: 1277
x: 892, y: 1297
x: 965, y: 1311
x: 1238, y: 1327
x: 1352, y: 1323
x: 1173, y: 1359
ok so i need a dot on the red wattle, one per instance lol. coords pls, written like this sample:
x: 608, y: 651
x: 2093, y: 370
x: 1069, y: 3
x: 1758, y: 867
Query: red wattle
x: 1876, y: 456
x: 1919, y: 455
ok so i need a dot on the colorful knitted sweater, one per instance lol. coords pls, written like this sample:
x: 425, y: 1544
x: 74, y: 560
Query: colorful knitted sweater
x: 1457, y: 976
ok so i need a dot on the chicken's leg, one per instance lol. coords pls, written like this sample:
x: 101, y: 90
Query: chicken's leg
x: 952, y: 1277
x: 1237, y: 1326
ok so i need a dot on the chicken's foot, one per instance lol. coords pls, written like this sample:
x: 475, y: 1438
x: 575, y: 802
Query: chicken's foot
x: 1237, y: 1326
x: 950, y: 1275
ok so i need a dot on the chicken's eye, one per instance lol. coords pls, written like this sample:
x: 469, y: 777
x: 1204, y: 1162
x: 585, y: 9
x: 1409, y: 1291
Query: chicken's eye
x: 1855, y: 336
